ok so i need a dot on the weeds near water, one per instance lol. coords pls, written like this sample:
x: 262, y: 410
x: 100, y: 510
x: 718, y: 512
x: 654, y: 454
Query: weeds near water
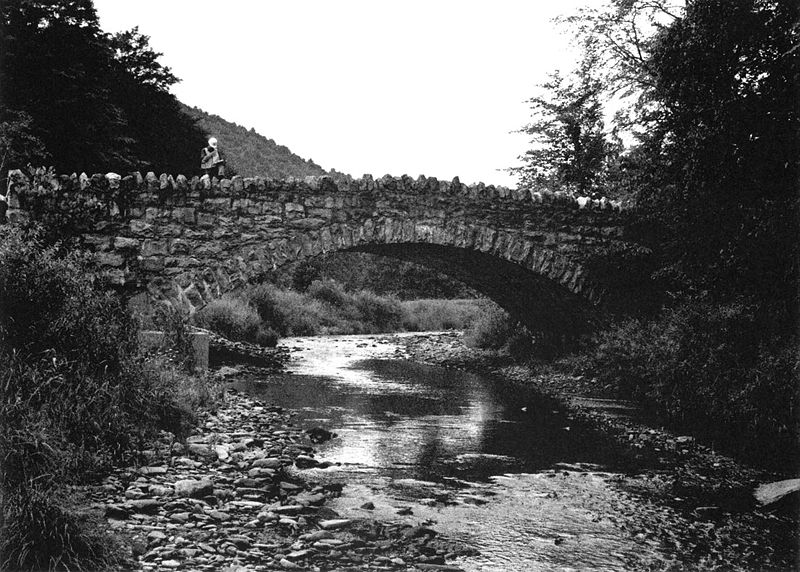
x: 76, y: 397
x: 327, y: 307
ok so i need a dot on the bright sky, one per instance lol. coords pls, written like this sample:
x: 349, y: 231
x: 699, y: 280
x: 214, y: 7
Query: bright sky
x: 431, y: 87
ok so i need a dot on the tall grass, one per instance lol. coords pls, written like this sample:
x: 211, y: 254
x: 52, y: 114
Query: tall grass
x: 327, y: 307
x: 76, y: 397
x: 237, y: 320
x: 436, y: 315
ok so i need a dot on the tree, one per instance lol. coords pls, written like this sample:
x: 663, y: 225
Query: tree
x: 164, y: 138
x: 95, y: 102
x: 570, y: 149
x: 726, y: 75
x: 712, y: 91
x: 18, y: 144
x: 57, y: 68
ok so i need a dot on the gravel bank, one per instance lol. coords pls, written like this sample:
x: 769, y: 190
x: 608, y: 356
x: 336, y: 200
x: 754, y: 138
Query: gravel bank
x: 233, y: 497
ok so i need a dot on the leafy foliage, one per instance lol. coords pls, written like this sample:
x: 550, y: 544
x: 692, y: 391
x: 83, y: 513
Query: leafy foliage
x: 713, y: 173
x: 235, y: 319
x: 700, y: 362
x: 84, y: 100
x: 570, y: 149
x: 75, y: 395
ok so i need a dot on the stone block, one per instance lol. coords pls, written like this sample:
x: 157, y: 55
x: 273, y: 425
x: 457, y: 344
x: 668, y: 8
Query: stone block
x: 125, y: 243
x: 151, y: 247
x: 205, y: 219
x: 179, y: 247
x: 184, y: 214
x: 98, y: 242
x: 140, y: 228
x: 110, y: 259
x: 152, y: 264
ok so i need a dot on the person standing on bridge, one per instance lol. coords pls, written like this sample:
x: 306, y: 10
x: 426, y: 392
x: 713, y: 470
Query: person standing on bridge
x: 211, y: 159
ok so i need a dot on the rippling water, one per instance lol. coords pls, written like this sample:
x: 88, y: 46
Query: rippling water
x: 482, y: 459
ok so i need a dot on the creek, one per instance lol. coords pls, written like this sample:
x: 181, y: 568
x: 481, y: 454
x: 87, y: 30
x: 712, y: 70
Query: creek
x: 493, y: 465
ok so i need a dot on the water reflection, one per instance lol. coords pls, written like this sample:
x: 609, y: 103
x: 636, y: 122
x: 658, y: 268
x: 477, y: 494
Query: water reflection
x: 436, y: 439
x: 410, y: 420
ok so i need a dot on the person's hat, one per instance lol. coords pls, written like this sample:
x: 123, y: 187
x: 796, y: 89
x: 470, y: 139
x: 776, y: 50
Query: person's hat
x: 212, y: 141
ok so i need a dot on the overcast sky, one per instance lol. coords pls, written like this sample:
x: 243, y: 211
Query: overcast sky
x: 431, y: 87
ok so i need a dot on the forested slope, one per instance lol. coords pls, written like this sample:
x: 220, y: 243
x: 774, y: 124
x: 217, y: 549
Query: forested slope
x: 251, y: 154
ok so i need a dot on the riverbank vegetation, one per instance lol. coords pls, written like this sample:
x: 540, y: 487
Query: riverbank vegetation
x: 707, y: 97
x: 77, y: 397
x: 260, y: 314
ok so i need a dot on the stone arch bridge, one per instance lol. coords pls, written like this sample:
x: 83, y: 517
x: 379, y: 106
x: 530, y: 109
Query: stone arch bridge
x: 552, y: 261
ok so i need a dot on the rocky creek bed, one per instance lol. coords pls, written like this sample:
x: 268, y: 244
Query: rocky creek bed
x: 238, y: 494
x: 233, y: 497
x: 693, y: 500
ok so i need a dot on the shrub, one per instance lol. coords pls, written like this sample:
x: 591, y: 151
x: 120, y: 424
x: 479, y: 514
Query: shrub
x: 177, y: 343
x: 76, y: 397
x: 330, y: 292
x: 231, y: 317
x: 286, y: 312
x: 491, y: 331
x: 264, y: 299
x: 438, y: 315
x: 40, y: 533
x: 378, y: 313
x: 706, y: 367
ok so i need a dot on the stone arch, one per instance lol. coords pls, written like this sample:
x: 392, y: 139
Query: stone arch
x: 536, y: 284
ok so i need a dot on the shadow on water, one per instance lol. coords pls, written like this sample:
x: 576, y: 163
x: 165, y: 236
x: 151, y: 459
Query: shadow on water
x: 409, y: 420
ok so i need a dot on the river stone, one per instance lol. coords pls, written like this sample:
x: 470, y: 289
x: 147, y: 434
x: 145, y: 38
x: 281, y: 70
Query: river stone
x: 201, y: 450
x: 334, y: 523
x: 305, y: 462
x: 298, y: 554
x: 157, y: 470
x: 318, y: 535
x: 260, y: 473
x: 307, y: 499
x: 116, y: 511
x: 418, y: 531
x: 267, y: 463
x: 160, y: 490
x: 144, y: 505
x: 222, y: 452
x: 156, y: 535
x: 179, y: 516
x: 194, y: 488
x: 288, y: 509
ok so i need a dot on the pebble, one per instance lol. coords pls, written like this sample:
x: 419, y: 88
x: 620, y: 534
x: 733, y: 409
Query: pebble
x: 193, y: 487
x: 208, y: 504
x: 334, y: 523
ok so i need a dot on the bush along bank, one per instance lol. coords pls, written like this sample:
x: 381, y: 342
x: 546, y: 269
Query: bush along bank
x: 260, y: 314
x: 723, y: 372
x: 115, y: 460
x: 77, y: 398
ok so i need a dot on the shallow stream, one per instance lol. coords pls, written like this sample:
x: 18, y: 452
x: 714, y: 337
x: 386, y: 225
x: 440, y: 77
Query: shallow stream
x: 500, y: 468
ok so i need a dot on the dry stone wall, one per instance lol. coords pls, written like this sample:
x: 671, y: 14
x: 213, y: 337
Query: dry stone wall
x: 186, y: 242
